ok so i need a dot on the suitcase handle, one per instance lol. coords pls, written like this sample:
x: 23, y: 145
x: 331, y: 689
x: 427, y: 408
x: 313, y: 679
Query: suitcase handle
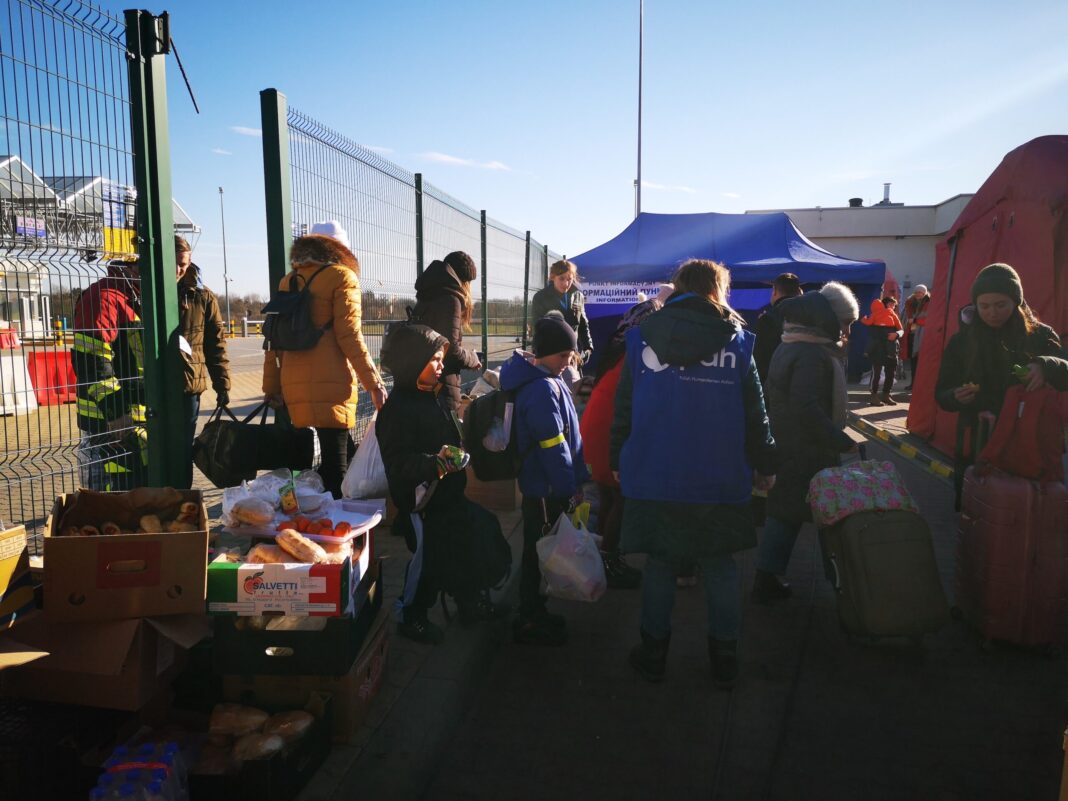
x: 837, y: 576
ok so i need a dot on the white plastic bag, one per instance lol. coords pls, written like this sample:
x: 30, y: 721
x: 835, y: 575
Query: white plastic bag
x: 366, y: 476
x: 571, y: 561
x: 500, y: 432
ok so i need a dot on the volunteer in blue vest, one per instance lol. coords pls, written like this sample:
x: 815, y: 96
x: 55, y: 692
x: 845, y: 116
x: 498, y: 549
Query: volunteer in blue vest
x: 690, y: 441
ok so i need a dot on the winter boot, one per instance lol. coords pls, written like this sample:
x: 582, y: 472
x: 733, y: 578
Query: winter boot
x: 650, y: 657
x: 768, y: 588
x: 416, y: 626
x: 619, y: 574
x: 724, y: 657
x: 480, y: 608
x: 874, y: 400
x: 889, y: 400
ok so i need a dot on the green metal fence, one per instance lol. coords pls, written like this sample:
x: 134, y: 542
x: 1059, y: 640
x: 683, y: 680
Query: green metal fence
x: 397, y: 223
x: 73, y: 198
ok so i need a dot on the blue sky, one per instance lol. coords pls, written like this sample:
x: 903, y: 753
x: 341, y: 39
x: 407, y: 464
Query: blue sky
x: 528, y: 109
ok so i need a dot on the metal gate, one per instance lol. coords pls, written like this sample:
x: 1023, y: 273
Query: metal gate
x: 84, y: 324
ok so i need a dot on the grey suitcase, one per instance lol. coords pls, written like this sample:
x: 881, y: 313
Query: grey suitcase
x: 883, y: 568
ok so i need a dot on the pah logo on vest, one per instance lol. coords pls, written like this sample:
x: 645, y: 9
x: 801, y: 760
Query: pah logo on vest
x: 723, y: 360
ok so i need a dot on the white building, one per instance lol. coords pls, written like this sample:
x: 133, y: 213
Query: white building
x: 902, y: 236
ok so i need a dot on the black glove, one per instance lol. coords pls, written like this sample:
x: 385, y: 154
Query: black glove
x: 222, y: 397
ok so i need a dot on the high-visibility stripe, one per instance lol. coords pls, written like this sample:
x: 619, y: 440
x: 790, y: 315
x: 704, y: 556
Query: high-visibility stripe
x: 109, y: 386
x: 114, y: 467
x: 551, y: 443
x: 137, y: 412
x: 92, y: 346
x: 89, y: 409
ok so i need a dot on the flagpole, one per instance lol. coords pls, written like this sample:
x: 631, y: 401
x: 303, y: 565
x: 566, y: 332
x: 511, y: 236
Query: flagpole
x: 641, y: 43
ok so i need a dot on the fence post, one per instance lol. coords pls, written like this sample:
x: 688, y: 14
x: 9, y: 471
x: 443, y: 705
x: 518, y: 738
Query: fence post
x: 277, y: 189
x: 169, y: 448
x: 526, y: 291
x: 418, y: 224
x: 485, y: 295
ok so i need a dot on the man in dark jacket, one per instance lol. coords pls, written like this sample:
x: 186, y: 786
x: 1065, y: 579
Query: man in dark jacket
x: 202, y: 343
x: 443, y: 302
x: 768, y: 328
x: 553, y: 469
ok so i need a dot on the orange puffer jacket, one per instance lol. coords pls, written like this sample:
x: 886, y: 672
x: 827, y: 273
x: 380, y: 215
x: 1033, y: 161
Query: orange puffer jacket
x: 319, y: 385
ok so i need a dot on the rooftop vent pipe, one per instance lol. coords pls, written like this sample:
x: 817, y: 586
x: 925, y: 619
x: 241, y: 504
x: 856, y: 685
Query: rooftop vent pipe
x: 856, y: 202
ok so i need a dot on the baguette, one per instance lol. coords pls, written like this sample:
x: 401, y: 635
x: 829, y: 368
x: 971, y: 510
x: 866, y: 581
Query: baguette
x: 299, y: 546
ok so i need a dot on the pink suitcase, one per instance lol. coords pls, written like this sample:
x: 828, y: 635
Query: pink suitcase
x: 1012, y: 558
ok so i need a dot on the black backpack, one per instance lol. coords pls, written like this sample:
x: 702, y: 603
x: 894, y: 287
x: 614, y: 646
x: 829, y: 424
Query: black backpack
x: 483, y: 414
x: 288, y: 323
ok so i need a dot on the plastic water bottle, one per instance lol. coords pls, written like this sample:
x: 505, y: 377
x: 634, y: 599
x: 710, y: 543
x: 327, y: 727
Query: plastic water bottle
x: 130, y: 792
x: 98, y: 793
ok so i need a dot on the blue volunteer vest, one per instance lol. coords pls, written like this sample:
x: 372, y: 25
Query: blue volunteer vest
x: 687, y: 436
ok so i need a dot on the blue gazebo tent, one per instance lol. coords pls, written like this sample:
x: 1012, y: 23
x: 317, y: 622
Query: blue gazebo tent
x: 755, y: 247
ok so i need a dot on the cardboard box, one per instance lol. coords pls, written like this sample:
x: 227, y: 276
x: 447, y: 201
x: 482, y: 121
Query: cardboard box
x: 500, y: 496
x: 326, y: 645
x: 117, y: 664
x: 352, y: 693
x: 289, y: 588
x: 16, y: 583
x: 123, y: 576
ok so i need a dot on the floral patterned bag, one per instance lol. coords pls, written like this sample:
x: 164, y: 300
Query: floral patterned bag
x: 838, y: 492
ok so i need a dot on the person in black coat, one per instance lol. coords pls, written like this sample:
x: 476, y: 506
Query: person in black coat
x: 444, y: 303
x: 768, y: 328
x: 415, y: 429
x: 806, y: 398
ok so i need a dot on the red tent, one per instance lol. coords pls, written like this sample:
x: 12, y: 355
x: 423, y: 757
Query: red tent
x: 1019, y: 216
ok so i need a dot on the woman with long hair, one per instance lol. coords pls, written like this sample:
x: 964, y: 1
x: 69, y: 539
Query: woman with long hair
x: 998, y: 332
x: 444, y: 303
x: 690, y: 439
x: 562, y: 295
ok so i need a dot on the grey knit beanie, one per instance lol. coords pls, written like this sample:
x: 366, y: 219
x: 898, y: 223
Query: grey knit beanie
x: 1000, y: 278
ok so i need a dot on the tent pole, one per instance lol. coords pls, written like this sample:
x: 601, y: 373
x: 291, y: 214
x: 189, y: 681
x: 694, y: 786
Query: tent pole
x: 949, y: 282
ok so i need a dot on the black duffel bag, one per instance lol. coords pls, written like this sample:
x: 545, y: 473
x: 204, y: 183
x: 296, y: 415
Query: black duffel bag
x: 231, y: 451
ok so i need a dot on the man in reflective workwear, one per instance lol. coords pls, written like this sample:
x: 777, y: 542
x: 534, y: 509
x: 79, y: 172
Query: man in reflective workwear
x: 108, y: 360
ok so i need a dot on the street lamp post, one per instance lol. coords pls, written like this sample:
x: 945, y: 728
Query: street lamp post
x: 226, y: 275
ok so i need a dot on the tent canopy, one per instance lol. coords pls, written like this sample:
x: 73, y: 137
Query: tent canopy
x: 756, y: 248
x: 1018, y: 216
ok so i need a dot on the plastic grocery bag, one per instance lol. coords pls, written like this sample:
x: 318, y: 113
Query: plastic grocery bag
x: 570, y: 559
x: 366, y: 476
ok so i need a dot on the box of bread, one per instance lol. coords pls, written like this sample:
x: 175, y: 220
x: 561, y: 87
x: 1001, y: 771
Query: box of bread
x: 293, y: 575
x: 120, y: 555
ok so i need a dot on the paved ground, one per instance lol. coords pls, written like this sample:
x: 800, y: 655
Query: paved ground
x: 813, y: 717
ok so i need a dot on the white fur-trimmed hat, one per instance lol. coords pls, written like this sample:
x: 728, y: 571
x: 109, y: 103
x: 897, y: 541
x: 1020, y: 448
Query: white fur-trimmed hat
x: 842, y: 300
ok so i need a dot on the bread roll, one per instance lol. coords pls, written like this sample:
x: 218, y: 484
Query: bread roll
x: 189, y: 512
x: 257, y: 746
x: 253, y: 511
x: 110, y: 529
x: 151, y: 524
x: 300, y: 547
x: 90, y: 531
x: 336, y: 552
x: 290, y: 726
x: 263, y: 554
x: 236, y: 720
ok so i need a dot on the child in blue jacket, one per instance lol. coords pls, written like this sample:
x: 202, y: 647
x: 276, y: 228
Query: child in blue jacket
x: 553, y: 469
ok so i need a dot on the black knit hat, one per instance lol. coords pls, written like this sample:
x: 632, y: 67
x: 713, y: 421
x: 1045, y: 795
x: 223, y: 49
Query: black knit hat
x: 552, y: 335
x: 463, y: 265
x: 1000, y: 278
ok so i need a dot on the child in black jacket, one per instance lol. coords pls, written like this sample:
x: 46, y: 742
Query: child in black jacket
x: 415, y: 431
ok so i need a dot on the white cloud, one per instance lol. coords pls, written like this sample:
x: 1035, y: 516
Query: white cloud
x: 689, y: 190
x: 382, y: 151
x: 218, y: 151
x: 733, y: 195
x: 457, y: 161
x: 241, y: 129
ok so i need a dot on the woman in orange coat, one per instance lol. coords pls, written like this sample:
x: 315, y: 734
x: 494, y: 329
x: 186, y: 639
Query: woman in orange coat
x: 318, y: 386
